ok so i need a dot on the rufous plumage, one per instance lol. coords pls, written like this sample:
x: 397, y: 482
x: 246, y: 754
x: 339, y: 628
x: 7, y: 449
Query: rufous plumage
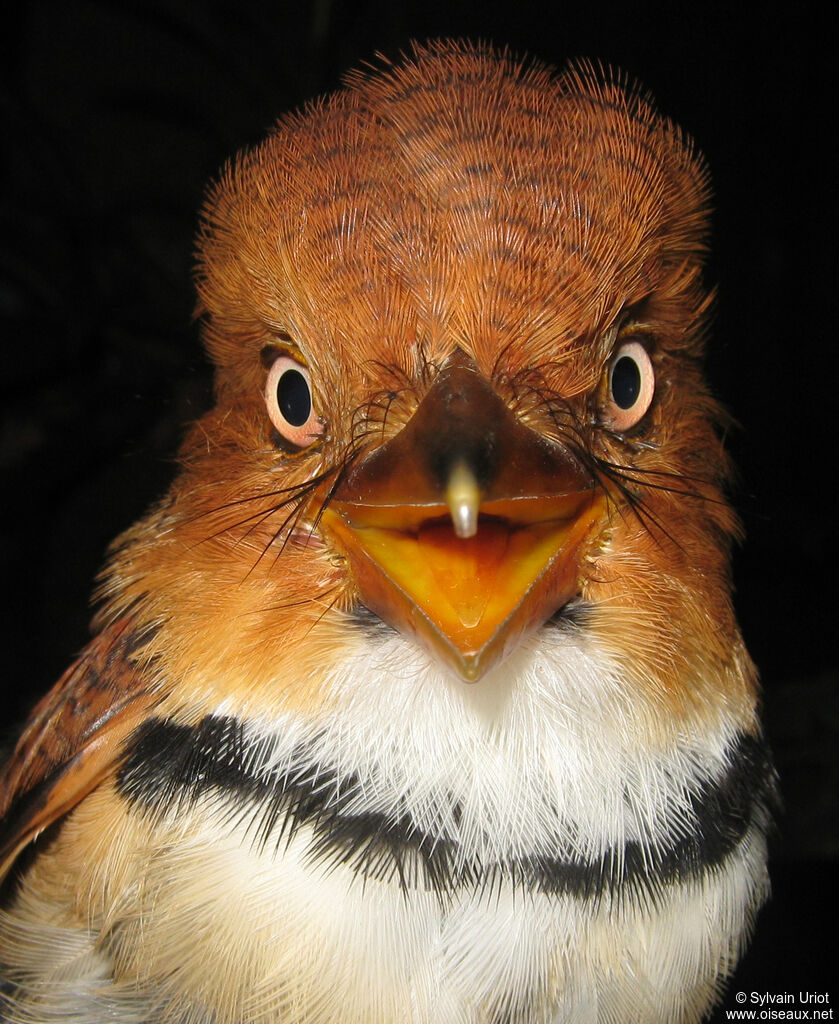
x: 419, y: 698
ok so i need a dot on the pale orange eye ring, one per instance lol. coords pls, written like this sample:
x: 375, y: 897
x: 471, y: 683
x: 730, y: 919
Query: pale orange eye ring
x: 290, y: 403
x: 630, y: 386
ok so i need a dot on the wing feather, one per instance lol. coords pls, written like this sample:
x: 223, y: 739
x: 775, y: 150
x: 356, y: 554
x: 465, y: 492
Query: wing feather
x: 75, y: 736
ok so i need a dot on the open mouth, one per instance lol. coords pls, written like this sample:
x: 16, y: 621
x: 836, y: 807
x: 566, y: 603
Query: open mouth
x: 470, y: 598
x: 467, y: 528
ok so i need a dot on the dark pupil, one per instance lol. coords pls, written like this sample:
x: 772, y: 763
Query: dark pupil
x: 293, y: 397
x: 626, y: 382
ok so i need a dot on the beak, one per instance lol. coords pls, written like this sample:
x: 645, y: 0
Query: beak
x: 465, y: 530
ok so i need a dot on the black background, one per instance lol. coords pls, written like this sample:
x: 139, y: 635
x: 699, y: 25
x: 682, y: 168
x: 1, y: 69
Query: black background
x: 114, y: 117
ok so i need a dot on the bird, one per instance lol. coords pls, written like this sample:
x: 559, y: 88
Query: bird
x: 420, y: 697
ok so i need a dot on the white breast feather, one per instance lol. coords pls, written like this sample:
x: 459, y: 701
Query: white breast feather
x: 551, y: 750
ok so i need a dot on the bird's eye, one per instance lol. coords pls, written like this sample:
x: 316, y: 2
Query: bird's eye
x: 288, y: 396
x: 629, y: 387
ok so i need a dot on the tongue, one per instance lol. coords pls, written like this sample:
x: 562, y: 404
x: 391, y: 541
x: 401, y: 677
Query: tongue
x: 464, y: 568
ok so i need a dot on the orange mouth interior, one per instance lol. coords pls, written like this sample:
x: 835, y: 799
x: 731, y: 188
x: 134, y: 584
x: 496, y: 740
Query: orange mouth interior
x: 472, y: 598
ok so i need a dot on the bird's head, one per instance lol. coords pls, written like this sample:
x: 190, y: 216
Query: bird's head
x: 456, y: 315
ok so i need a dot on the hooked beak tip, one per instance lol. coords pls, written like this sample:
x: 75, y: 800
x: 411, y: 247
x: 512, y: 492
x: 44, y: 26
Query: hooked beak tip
x: 463, y: 497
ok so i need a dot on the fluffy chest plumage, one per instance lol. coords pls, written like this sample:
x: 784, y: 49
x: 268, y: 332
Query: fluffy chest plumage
x: 419, y: 852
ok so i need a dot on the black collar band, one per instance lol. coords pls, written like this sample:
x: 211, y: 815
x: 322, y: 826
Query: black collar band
x: 170, y: 766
